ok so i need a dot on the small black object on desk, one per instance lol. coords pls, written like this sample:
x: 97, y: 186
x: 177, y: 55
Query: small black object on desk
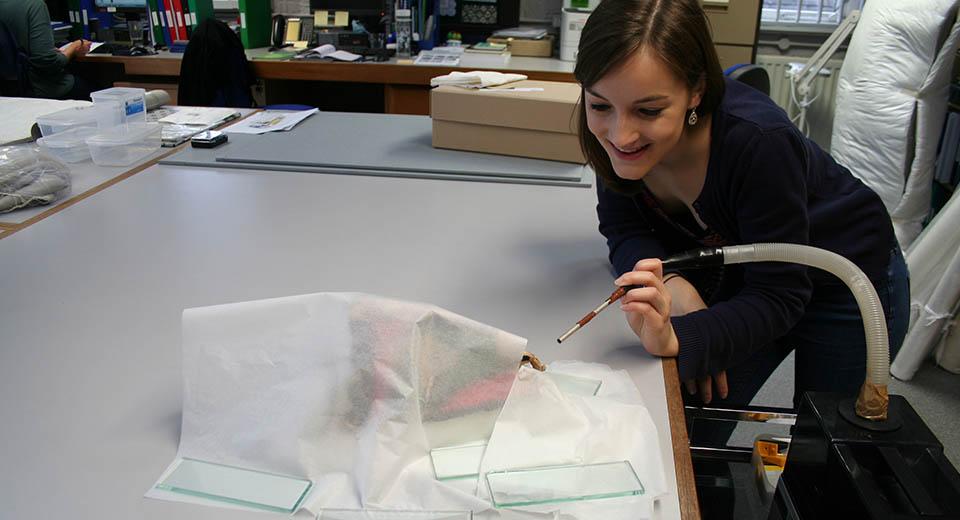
x: 208, y: 139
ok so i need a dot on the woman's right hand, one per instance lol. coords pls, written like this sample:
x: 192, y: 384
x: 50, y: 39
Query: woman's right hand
x: 75, y: 49
x: 648, y: 308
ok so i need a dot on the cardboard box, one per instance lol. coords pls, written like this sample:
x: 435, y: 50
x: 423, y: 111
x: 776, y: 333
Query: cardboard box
x: 540, y: 124
x: 524, y: 47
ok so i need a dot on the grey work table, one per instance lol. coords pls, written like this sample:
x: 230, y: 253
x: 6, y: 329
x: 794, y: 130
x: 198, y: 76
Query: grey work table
x: 90, y: 373
x: 86, y: 178
x: 375, y: 144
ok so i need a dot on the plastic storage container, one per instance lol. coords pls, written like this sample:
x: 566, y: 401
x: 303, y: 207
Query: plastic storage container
x: 125, y: 144
x: 95, y: 116
x: 68, y: 146
x: 132, y: 102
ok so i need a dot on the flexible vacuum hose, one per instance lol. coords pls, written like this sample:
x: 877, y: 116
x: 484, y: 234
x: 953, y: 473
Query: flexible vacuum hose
x: 872, y: 401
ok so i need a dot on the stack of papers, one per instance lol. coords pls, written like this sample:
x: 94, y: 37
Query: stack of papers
x: 182, y: 123
x: 200, y: 116
x: 278, y: 55
x: 488, y: 48
x: 527, y: 33
x: 328, y: 51
x: 270, y: 121
x: 440, y: 56
x: 476, y: 79
x: 93, y: 45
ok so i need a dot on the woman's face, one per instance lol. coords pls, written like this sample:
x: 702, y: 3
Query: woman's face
x: 638, y: 111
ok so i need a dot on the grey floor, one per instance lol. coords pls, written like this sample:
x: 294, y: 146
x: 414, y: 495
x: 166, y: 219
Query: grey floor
x: 934, y: 393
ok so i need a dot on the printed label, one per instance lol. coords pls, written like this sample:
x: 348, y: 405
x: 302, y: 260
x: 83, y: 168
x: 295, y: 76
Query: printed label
x: 134, y: 107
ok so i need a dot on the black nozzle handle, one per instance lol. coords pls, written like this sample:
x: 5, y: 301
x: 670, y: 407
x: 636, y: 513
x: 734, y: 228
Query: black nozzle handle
x: 706, y: 257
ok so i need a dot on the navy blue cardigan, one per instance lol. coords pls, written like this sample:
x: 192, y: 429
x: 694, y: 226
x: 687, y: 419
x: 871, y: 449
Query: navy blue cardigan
x: 765, y: 182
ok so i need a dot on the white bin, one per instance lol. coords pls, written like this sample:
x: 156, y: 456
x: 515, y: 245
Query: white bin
x: 125, y: 144
x: 132, y: 102
x: 95, y: 117
x: 68, y: 146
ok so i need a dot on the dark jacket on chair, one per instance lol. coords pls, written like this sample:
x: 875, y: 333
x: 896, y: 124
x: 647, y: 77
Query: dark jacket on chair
x: 215, y: 71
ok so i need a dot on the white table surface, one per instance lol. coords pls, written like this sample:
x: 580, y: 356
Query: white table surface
x: 90, y: 373
x: 85, y: 175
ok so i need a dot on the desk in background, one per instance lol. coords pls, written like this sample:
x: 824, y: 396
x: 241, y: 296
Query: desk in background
x: 388, y: 87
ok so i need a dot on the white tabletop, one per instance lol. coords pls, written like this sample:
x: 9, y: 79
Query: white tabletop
x: 85, y: 176
x: 90, y: 362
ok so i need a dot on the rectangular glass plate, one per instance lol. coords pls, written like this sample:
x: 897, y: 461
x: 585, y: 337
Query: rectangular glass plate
x: 237, y: 486
x: 457, y: 462
x: 575, y: 385
x: 363, y: 514
x: 524, y: 487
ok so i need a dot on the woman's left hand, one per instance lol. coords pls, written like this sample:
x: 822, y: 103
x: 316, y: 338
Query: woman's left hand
x: 648, y: 308
x: 706, y: 385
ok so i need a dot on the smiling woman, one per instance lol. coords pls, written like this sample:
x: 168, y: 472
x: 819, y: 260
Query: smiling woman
x: 686, y: 158
x: 664, y: 52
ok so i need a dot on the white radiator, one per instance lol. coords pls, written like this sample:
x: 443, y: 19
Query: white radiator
x: 820, y: 113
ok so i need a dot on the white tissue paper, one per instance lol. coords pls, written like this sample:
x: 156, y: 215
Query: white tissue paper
x: 352, y: 391
x: 476, y: 79
x: 348, y: 390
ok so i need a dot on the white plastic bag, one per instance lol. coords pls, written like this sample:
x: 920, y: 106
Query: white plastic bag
x: 29, y: 177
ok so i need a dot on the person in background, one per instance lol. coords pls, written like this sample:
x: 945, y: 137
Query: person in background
x: 29, y: 21
x: 686, y: 158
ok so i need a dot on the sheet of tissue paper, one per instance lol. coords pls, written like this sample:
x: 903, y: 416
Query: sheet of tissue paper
x: 352, y: 391
x: 348, y: 390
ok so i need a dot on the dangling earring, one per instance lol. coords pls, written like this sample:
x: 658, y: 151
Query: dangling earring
x: 692, y: 120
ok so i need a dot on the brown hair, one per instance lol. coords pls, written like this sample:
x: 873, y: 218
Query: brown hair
x: 676, y: 30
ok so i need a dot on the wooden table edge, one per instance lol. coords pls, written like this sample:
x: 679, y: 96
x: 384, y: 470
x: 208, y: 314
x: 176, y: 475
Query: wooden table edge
x: 683, y: 463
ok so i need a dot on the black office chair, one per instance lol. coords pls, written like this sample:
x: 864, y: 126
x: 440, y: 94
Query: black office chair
x: 752, y: 75
x: 14, y: 66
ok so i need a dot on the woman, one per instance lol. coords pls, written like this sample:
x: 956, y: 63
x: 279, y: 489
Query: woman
x: 29, y: 21
x: 685, y: 159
